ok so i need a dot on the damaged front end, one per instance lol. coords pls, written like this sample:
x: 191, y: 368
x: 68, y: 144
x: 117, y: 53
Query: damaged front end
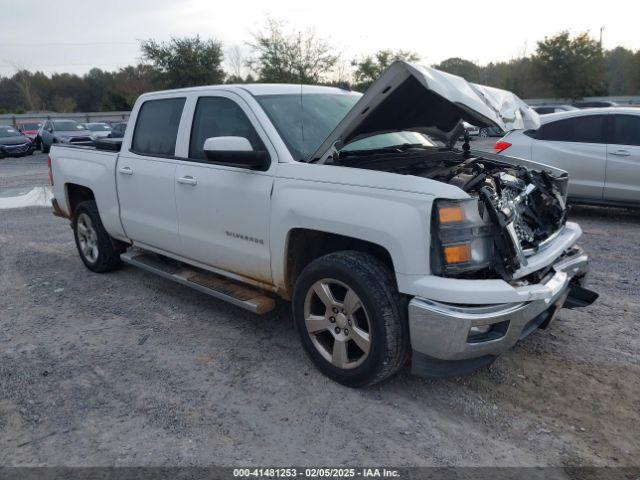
x: 516, y: 207
x: 525, y: 208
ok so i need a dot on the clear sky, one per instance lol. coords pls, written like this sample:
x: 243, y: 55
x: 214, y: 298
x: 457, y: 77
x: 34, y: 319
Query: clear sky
x: 74, y: 36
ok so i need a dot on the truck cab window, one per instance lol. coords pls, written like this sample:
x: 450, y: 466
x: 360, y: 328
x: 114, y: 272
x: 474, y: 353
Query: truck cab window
x: 220, y: 117
x: 157, y: 127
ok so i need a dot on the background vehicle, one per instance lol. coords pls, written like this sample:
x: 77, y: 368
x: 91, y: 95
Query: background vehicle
x: 546, y: 109
x: 29, y: 129
x: 62, y: 131
x: 471, y: 129
x: 383, y: 241
x: 600, y: 148
x: 98, y: 129
x: 13, y: 143
x: 117, y: 130
x: 485, y: 132
x: 595, y: 104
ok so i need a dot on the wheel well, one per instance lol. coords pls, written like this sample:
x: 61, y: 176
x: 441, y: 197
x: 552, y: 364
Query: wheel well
x: 77, y: 194
x: 304, y: 246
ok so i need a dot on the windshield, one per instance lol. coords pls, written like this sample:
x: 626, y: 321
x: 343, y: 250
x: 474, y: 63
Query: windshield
x: 31, y: 126
x: 98, y: 127
x: 8, y: 132
x: 304, y: 121
x: 67, y: 125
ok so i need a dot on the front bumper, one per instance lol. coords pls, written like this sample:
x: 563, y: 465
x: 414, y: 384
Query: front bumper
x: 16, y: 150
x: 442, y: 331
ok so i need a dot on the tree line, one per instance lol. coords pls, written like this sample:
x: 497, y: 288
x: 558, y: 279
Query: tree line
x: 562, y: 66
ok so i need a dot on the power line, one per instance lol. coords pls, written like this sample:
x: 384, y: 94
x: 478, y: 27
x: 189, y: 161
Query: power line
x: 64, y: 44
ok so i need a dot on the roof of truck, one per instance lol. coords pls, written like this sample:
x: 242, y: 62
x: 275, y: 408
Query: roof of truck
x: 261, y: 89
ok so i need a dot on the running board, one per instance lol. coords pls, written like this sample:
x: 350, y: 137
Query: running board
x: 217, y: 286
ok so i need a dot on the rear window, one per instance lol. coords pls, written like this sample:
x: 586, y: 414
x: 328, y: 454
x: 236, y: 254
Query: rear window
x: 587, y: 129
x: 156, y: 129
x: 626, y: 130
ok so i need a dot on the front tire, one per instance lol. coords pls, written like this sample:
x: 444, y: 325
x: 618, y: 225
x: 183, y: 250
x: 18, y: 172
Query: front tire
x: 351, y: 318
x: 98, y: 251
x: 44, y: 148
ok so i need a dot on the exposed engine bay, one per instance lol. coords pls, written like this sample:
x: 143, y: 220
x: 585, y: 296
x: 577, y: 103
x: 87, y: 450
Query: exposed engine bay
x: 526, y: 207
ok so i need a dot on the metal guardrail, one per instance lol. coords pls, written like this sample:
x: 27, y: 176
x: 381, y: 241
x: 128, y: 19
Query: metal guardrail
x: 84, y: 117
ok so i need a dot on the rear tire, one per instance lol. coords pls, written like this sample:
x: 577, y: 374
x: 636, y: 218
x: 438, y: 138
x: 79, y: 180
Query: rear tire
x: 355, y: 329
x: 97, y: 249
x: 44, y: 148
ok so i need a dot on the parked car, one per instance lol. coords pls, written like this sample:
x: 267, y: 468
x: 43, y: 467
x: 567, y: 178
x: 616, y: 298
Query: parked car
x: 29, y: 129
x: 117, y: 130
x: 13, y: 143
x: 595, y: 104
x: 599, y: 148
x: 546, y: 109
x: 387, y: 245
x: 62, y: 131
x: 98, y: 129
x: 483, y: 132
x: 471, y: 129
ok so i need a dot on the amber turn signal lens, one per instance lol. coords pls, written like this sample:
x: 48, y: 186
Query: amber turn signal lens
x: 457, y: 253
x: 450, y: 214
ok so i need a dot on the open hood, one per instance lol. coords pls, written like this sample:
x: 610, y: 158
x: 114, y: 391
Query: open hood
x: 422, y: 99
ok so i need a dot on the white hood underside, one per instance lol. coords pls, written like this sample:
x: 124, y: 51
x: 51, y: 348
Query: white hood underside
x: 413, y: 97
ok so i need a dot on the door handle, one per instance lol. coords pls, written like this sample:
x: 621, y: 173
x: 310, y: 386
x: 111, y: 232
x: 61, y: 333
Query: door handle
x: 187, y: 180
x: 621, y: 153
x: 125, y: 170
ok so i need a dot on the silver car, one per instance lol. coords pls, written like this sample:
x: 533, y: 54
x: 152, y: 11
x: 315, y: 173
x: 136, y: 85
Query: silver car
x: 598, y: 147
x: 98, y: 129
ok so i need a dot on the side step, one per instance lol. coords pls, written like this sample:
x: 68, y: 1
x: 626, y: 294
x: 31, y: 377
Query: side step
x: 217, y: 286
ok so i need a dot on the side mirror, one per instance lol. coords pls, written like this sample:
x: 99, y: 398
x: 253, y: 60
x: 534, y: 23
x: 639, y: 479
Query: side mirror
x: 235, y: 151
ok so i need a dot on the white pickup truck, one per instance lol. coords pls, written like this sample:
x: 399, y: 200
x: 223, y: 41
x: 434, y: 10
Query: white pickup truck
x: 390, y: 243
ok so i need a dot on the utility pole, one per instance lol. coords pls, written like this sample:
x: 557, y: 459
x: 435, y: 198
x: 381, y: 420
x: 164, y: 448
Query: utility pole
x: 601, y: 30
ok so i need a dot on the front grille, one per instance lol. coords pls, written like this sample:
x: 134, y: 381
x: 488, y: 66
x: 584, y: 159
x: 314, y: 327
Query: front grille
x: 11, y: 149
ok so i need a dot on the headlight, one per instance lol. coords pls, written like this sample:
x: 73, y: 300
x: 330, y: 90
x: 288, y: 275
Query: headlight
x: 461, y: 239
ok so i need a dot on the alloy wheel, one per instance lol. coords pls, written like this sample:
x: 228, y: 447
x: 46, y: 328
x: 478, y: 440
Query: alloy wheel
x: 87, y: 238
x: 337, y: 323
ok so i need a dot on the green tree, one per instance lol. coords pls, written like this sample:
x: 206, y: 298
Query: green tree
x: 620, y: 71
x: 368, y: 68
x: 281, y: 57
x: 573, y: 67
x: 461, y: 67
x: 185, y: 62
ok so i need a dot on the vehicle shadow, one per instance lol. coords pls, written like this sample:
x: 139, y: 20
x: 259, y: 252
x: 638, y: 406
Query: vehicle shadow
x: 606, y: 214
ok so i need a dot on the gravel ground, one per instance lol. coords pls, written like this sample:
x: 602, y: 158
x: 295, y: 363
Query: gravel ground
x: 129, y: 369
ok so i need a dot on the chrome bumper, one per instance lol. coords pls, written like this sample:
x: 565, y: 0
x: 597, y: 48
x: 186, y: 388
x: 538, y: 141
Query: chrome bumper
x: 442, y: 331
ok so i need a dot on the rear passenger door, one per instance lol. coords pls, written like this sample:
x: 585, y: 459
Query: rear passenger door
x: 577, y: 145
x: 623, y: 159
x: 223, y: 210
x: 145, y: 176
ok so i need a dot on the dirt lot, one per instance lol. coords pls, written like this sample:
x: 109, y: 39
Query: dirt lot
x: 130, y: 369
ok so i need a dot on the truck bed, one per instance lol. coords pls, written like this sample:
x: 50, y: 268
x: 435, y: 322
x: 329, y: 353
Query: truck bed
x: 75, y: 167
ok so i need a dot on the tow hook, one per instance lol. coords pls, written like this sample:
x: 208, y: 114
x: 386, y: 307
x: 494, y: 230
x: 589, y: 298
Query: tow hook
x: 579, y: 297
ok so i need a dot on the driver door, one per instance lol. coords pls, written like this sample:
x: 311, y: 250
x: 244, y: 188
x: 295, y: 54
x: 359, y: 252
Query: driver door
x: 223, y: 210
